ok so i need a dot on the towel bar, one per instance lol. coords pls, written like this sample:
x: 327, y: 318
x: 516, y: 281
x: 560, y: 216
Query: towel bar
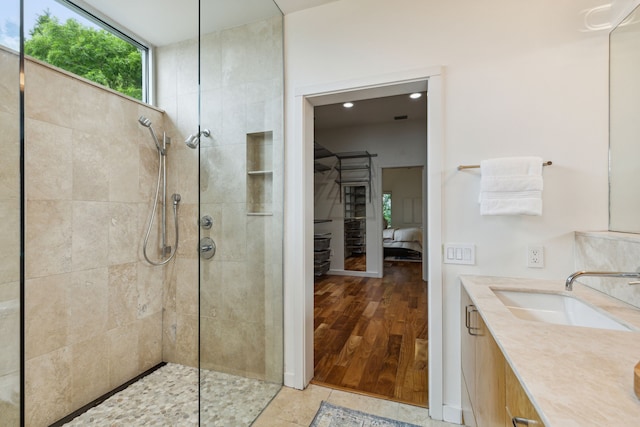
x: 549, y: 163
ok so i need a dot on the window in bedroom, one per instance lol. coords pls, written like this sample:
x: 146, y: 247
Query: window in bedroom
x: 386, y: 209
x: 63, y: 35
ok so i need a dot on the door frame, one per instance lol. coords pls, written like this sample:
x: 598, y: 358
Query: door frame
x: 298, y: 217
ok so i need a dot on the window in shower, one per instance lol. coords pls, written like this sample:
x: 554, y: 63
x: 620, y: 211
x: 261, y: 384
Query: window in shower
x: 61, y: 34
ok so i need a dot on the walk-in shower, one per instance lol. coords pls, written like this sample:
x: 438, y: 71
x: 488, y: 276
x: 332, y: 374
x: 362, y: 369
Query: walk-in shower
x: 106, y: 293
x: 166, y: 251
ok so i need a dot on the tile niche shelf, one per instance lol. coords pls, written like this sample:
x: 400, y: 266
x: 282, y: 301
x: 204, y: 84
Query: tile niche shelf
x: 259, y: 173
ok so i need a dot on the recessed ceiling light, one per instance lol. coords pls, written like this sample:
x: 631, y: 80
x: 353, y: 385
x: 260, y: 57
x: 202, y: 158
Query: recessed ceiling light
x: 415, y: 95
x: 347, y: 104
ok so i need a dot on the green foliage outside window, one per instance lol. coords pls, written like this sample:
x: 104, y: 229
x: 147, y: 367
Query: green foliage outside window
x: 96, y: 55
x: 386, y: 208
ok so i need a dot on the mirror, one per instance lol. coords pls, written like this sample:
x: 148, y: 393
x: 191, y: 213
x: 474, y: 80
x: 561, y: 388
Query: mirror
x: 355, y: 228
x: 624, y: 126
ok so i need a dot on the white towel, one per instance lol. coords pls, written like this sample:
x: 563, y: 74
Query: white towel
x: 511, y: 186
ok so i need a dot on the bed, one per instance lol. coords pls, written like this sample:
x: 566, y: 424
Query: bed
x: 402, y: 243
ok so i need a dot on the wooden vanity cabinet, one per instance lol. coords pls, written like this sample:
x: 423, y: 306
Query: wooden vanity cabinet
x: 490, y: 389
x: 468, y: 359
x: 482, y: 371
x: 518, y: 405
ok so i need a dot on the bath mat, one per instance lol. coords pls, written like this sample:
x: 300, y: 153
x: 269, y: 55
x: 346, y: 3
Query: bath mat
x: 336, y: 416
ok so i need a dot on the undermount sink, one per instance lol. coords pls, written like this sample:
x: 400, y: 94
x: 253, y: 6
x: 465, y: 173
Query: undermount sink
x: 556, y: 308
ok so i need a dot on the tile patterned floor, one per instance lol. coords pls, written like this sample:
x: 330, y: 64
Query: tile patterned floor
x: 294, y: 408
x: 169, y: 397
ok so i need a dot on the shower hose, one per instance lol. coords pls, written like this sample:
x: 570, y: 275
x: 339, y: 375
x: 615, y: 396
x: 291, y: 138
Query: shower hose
x: 176, y: 200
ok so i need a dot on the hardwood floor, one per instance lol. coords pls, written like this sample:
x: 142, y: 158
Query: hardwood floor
x: 356, y: 263
x: 371, y: 334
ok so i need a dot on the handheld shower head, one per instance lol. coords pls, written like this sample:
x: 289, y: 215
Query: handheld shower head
x: 144, y: 121
x: 147, y: 123
x: 192, y: 141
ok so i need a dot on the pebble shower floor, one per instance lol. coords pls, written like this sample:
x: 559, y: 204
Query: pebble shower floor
x: 169, y: 397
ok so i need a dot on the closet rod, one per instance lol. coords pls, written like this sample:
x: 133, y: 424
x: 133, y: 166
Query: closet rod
x: 549, y: 163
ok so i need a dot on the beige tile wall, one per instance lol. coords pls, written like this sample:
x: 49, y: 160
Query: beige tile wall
x: 10, y: 238
x: 93, y: 308
x: 241, y: 287
x: 609, y: 251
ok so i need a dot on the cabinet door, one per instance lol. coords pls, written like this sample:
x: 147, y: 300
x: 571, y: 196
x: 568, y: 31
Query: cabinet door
x: 468, y: 358
x: 490, y: 379
x: 468, y: 419
x: 518, y: 405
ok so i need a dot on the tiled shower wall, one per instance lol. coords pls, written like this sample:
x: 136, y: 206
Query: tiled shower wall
x: 241, y: 287
x: 10, y: 238
x: 609, y: 251
x: 93, y: 308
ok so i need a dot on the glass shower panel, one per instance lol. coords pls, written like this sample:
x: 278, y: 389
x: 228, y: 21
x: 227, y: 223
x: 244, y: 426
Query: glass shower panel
x: 10, y: 214
x: 241, y: 188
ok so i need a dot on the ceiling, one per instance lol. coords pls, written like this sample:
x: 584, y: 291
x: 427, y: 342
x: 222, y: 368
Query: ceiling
x: 162, y: 22
x: 370, y: 111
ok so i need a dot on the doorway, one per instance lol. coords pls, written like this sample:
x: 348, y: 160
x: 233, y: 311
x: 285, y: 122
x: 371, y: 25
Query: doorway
x: 299, y: 229
x: 370, y: 313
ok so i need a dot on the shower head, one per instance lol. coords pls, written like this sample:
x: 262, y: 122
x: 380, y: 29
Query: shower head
x: 192, y: 141
x: 147, y: 123
x: 144, y: 121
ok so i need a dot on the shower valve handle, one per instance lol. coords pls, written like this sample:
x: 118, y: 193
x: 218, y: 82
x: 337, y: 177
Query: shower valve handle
x: 206, y: 222
x: 207, y: 248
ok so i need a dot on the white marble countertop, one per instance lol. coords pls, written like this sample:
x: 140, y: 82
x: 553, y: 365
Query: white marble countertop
x: 574, y: 376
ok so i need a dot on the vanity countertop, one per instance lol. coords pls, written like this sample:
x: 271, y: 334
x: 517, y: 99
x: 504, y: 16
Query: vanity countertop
x: 574, y: 376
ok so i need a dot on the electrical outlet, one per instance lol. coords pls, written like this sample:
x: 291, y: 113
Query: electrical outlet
x: 535, y: 257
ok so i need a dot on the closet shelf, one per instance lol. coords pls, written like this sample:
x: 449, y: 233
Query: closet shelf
x: 354, y: 155
x: 346, y: 166
x: 353, y: 181
x: 319, y: 152
x: 320, y: 167
x: 352, y: 167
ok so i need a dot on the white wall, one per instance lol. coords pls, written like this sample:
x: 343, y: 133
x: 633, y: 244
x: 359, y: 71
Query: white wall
x: 521, y: 78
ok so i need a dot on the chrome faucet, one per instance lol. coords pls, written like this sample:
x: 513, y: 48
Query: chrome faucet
x: 569, y: 283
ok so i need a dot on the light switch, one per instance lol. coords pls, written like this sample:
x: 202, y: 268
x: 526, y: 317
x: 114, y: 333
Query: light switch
x: 460, y: 253
x: 451, y: 253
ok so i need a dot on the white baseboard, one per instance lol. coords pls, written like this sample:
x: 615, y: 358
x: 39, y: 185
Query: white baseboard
x: 354, y: 273
x: 452, y: 414
x: 290, y: 381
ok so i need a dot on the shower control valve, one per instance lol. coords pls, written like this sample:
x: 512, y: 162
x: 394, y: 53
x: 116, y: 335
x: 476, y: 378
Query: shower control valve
x: 207, y: 248
x: 206, y: 222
